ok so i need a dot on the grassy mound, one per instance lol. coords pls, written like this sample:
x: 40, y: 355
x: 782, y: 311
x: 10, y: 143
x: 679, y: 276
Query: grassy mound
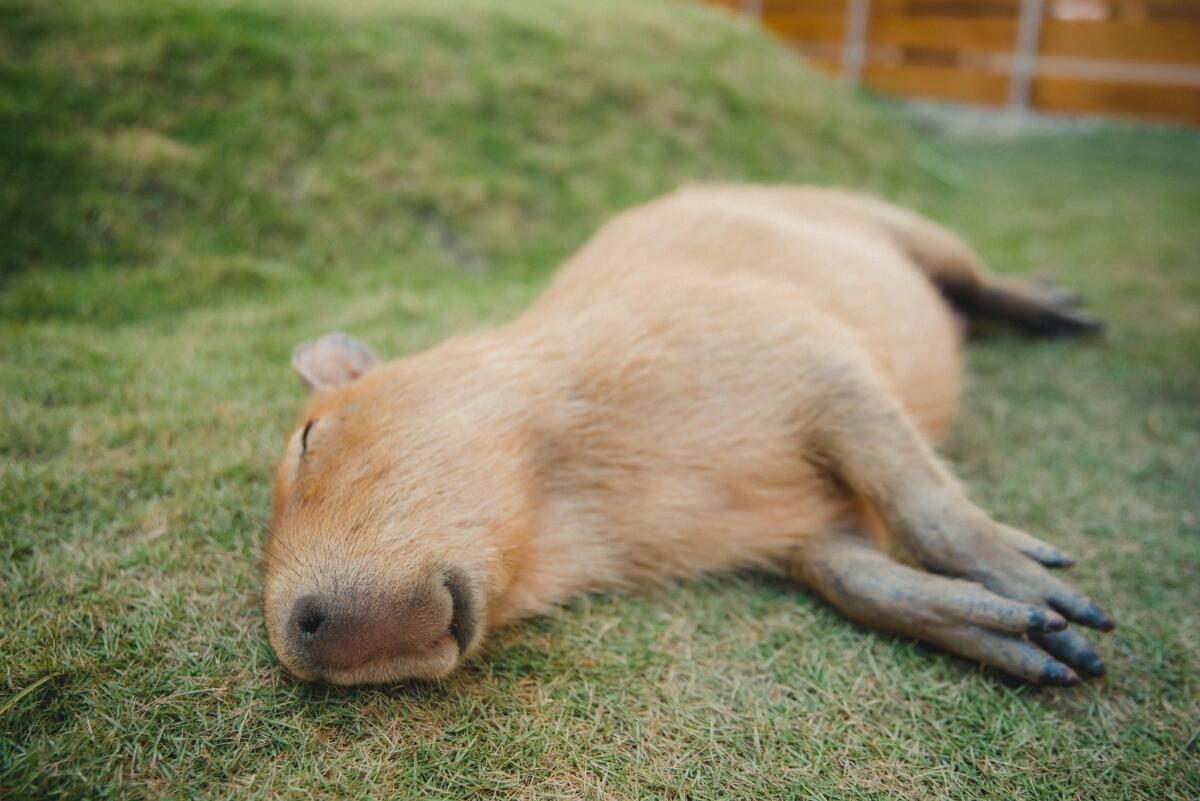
x: 203, y: 148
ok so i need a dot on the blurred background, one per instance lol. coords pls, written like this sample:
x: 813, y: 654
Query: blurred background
x: 188, y: 189
x: 1136, y: 58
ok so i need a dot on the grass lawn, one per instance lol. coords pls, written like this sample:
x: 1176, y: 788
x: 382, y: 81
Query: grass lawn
x: 186, y: 190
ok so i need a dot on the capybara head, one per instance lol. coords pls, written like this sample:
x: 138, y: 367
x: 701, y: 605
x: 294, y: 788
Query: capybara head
x: 397, y: 511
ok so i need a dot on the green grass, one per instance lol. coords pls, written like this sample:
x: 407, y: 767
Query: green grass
x: 188, y: 189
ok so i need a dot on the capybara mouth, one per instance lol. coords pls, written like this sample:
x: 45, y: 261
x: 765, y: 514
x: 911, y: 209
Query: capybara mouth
x: 463, y: 623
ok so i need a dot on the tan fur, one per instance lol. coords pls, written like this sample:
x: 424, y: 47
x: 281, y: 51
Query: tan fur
x: 716, y: 378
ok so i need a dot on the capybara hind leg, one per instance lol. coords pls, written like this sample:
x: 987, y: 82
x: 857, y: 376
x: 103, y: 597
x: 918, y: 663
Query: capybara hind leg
x: 1035, y: 307
x: 867, y: 441
x: 847, y: 570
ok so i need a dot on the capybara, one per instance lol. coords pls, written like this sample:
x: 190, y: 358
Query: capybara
x: 729, y: 377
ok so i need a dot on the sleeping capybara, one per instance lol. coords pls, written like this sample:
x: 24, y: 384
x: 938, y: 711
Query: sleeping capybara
x: 728, y: 377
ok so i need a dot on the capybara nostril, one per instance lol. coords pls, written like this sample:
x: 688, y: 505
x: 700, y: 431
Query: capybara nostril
x: 310, y: 616
x: 310, y: 623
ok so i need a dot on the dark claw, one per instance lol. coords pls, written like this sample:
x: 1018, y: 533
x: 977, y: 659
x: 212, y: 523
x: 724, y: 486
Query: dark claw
x: 1095, y: 617
x: 1072, y: 606
x: 1071, y: 648
x: 1059, y: 675
x: 1092, y: 665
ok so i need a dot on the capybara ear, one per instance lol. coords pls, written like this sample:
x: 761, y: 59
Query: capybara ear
x: 331, y: 361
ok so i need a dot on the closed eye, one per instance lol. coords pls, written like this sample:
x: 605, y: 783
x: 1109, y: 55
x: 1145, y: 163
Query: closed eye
x: 304, y: 437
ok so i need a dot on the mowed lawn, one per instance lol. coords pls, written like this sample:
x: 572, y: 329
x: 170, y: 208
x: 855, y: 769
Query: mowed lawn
x: 189, y: 190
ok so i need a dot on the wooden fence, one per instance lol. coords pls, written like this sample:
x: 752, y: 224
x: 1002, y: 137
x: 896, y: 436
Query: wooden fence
x: 1127, y: 57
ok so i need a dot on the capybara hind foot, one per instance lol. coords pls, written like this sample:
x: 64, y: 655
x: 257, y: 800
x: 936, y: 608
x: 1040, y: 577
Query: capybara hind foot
x: 960, y: 616
x: 1037, y: 307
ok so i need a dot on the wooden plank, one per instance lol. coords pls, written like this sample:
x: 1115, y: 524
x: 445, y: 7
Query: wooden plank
x: 938, y: 83
x: 831, y: 7
x: 1092, y: 69
x: 948, y: 32
x: 959, y: 9
x: 809, y: 27
x: 1176, y: 41
x: 1177, y: 103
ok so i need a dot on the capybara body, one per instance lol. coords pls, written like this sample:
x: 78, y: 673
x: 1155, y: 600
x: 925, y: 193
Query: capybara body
x: 728, y: 377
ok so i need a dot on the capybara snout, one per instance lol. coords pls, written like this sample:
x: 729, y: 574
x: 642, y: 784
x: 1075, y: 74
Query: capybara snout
x: 363, y: 623
x: 337, y: 631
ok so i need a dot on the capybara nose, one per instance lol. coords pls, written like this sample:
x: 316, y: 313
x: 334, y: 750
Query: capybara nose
x: 331, y: 631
